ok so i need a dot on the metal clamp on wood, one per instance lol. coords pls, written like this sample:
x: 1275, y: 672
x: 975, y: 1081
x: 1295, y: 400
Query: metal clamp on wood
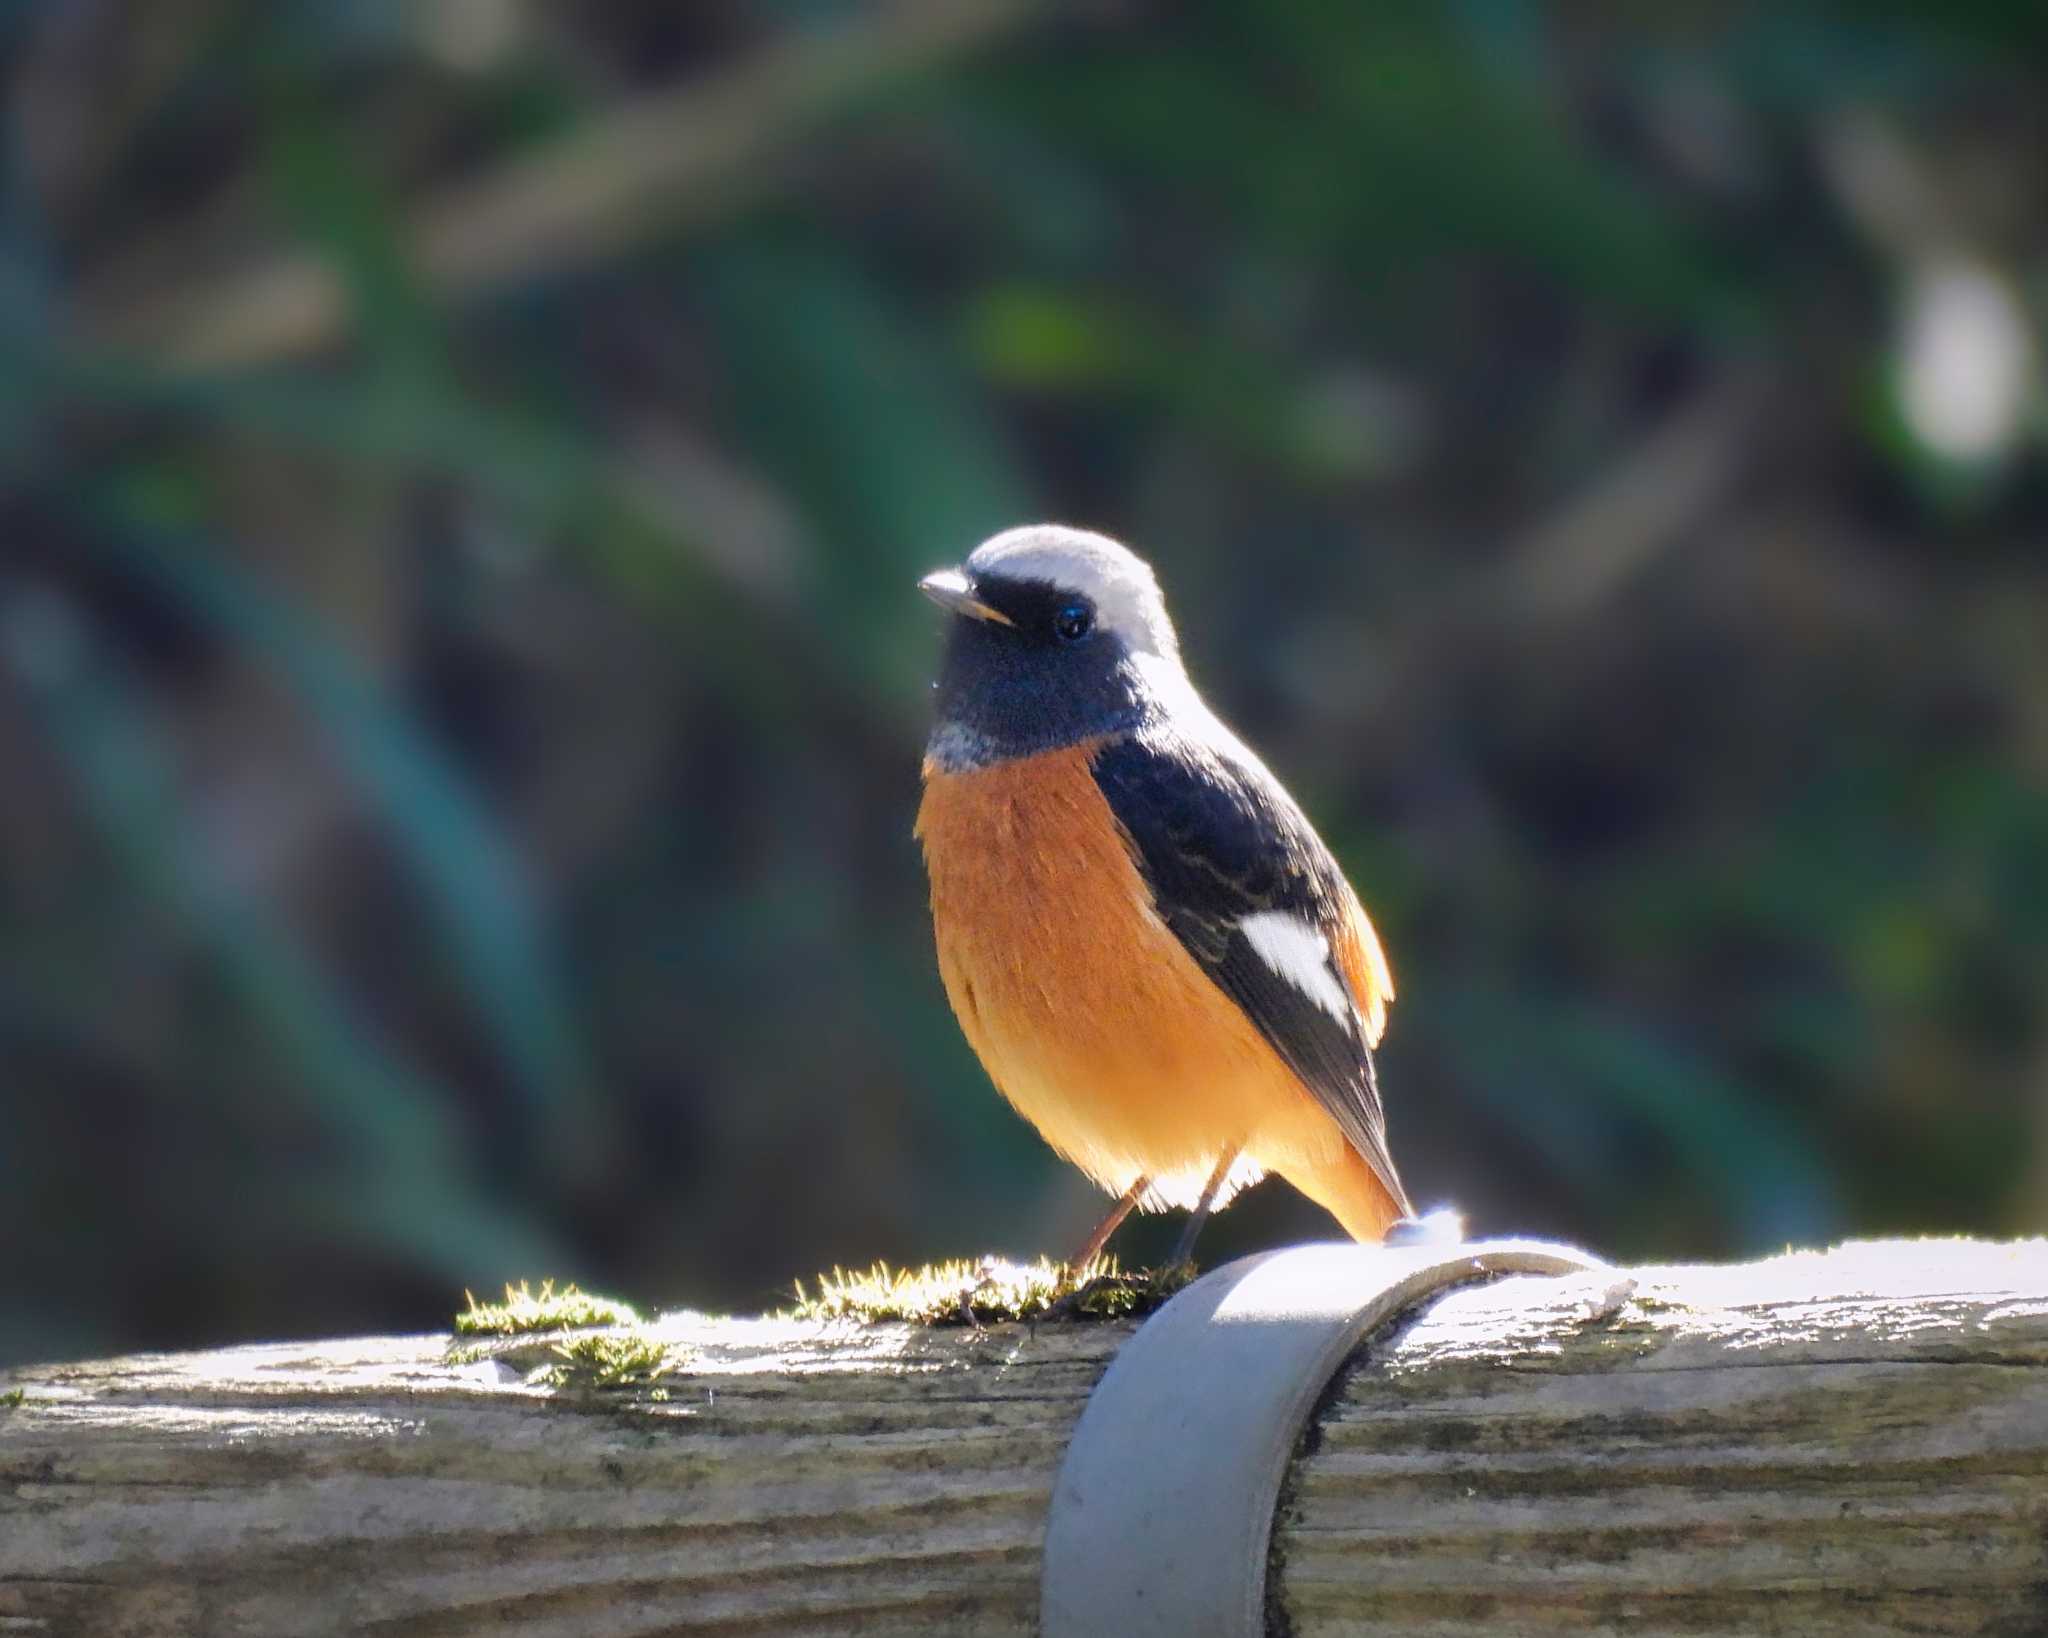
x: 1163, y: 1514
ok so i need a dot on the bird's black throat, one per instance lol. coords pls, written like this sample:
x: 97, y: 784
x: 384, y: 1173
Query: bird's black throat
x: 1014, y: 690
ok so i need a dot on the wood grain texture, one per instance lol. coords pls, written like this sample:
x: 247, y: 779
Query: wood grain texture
x: 795, y: 1480
x: 1855, y: 1442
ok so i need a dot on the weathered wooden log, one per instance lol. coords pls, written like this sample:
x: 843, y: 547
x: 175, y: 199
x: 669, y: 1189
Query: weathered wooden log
x: 1850, y: 1442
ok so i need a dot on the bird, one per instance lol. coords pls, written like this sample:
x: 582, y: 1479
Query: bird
x: 1155, y: 957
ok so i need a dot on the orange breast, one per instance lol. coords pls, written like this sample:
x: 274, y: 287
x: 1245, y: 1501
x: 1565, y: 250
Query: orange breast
x: 1083, y: 1007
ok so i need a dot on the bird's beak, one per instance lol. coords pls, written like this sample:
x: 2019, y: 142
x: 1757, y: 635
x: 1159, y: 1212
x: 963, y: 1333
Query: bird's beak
x: 950, y: 590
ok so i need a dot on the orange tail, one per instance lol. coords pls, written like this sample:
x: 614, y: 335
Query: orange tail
x: 1350, y: 1191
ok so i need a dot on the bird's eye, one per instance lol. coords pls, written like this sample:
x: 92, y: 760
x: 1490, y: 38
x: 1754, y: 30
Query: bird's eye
x: 1072, y: 621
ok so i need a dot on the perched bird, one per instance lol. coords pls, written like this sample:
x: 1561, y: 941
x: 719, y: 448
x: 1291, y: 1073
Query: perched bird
x: 1150, y: 949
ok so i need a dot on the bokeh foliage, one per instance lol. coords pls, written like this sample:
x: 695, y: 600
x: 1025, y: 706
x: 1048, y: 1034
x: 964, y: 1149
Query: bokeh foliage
x: 462, y: 469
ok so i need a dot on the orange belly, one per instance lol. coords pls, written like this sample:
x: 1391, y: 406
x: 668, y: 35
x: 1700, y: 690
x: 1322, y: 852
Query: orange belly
x: 1089, y: 1015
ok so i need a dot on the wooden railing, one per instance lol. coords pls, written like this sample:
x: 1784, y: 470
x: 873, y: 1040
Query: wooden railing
x: 1849, y: 1442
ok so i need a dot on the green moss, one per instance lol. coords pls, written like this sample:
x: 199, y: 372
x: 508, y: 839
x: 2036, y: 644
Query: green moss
x: 608, y: 1350
x: 985, y: 1292
x: 612, y: 1359
x: 12, y: 1398
x: 525, y: 1310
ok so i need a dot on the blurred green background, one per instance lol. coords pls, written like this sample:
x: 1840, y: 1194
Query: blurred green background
x: 462, y: 471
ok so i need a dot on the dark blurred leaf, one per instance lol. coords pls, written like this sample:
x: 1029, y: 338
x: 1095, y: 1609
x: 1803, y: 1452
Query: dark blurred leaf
x: 870, y: 425
x: 401, y: 1159
x: 470, y: 880
x: 1558, y: 1074
x: 361, y: 228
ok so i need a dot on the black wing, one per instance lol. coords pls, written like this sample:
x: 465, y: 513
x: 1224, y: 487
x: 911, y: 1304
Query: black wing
x: 1218, y: 842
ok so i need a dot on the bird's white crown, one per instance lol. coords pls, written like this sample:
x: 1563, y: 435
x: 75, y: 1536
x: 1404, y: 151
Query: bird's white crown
x: 1111, y: 576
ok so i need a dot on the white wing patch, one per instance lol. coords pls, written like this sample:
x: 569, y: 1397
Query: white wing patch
x: 1301, y: 955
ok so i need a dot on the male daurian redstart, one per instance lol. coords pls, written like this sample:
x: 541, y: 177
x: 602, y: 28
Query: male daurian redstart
x: 1146, y: 943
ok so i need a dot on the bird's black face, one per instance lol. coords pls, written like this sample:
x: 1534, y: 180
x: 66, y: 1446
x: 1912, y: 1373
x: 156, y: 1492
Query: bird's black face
x: 1028, y: 667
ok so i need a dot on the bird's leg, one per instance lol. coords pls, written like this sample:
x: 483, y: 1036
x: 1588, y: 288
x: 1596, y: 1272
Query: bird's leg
x: 1184, y: 1249
x: 1092, y: 1247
